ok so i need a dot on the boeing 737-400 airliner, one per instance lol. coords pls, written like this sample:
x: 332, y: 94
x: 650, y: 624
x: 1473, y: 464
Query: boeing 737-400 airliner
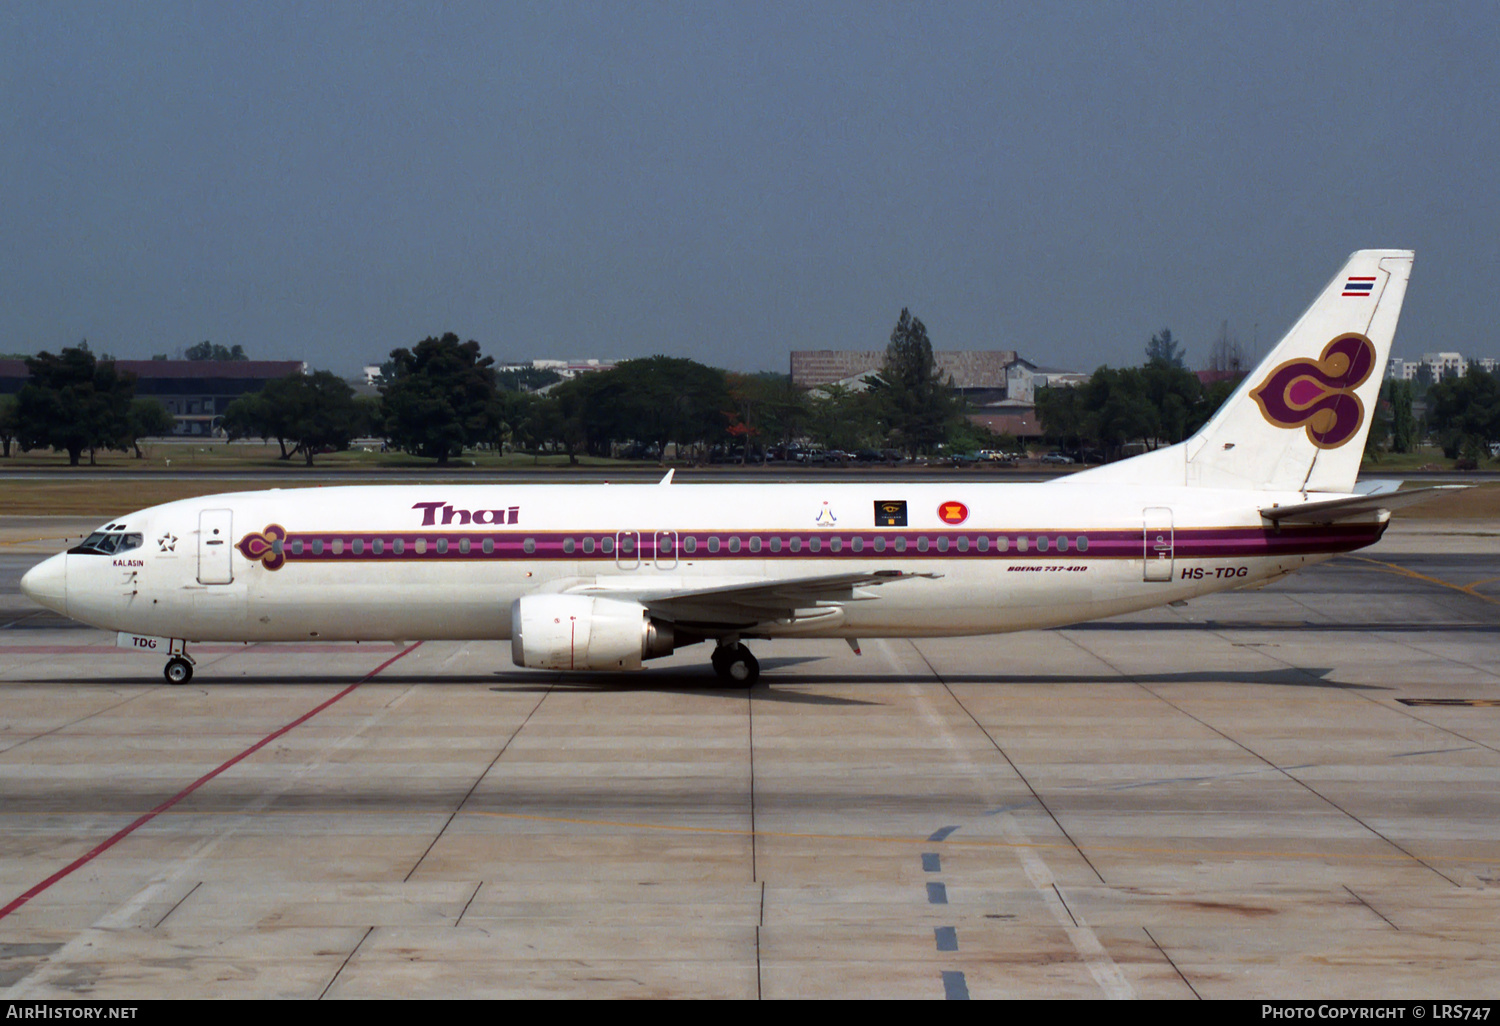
x: 604, y: 577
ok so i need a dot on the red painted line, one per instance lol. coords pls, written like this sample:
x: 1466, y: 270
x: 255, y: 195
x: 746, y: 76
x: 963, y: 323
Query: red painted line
x: 104, y: 846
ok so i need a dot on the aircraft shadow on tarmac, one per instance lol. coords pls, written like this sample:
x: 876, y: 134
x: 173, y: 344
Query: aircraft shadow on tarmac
x: 679, y: 680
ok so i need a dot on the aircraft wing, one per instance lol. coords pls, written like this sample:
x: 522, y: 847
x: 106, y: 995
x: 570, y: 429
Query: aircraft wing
x: 758, y: 602
x: 1328, y: 511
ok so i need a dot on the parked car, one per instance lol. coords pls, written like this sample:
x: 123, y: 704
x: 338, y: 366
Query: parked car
x: 1056, y: 458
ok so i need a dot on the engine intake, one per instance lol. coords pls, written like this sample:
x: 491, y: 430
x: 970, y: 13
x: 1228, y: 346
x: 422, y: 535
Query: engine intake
x: 580, y: 632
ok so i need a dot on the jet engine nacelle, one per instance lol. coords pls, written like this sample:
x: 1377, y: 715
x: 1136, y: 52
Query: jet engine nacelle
x: 579, y: 632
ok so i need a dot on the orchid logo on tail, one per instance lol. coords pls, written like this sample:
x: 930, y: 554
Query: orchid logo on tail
x: 1319, y: 394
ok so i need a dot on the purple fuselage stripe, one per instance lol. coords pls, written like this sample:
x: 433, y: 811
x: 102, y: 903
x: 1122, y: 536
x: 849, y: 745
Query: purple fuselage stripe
x: 508, y: 546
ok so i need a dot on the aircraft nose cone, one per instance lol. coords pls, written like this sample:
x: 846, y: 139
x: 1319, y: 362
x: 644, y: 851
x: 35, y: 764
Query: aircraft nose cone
x: 47, y: 583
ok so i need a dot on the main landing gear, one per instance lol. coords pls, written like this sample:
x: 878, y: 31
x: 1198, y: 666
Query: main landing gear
x: 735, y: 665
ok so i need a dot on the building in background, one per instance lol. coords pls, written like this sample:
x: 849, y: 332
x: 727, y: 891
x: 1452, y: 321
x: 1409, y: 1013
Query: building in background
x: 1439, y: 366
x: 999, y: 385
x: 195, y: 392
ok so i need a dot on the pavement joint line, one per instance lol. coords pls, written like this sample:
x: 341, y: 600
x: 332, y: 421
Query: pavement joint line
x: 82, y: 719
x: 345, y: 963
x: 1372, y: 908
x: 1284, y: 771
x: 1026, y: 781
x: 1406, y: 711
x: 142, y: 820
x: 1156, y: 944
x: 465, y: 911
x: 1091, y: 952
x: 477, y: 781
x: 980, y: 845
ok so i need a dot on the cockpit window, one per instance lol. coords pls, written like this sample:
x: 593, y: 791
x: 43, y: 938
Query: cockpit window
x: 107, y: 543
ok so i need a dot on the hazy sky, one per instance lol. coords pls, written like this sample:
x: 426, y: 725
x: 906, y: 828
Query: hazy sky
x: 730, y: 182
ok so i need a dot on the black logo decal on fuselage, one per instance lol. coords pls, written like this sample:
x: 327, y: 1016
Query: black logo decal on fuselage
x: 890, y: 512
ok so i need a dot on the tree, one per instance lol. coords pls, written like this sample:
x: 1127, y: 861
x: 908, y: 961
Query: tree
x: 323, y: 412
x: 916, y: 404
x: 250, y: 417
x: 666, y: 399
x: 210, y: 351
x: 313, y: 411
x: 1465, y: 413
x: 768, y: 409
x: 1395, y: 426
x: 73, y: 402
x: 147, y: 418
x: 1060, y: 411
x: 1163, y: 349
x: 1173, y: 392
x: 439, y: 397
x: 1214, y: 396
x: 9, y: 422
x: 841, y: 418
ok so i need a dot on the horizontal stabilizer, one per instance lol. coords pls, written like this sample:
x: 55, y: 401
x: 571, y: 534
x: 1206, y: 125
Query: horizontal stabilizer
x: 1328, y: 511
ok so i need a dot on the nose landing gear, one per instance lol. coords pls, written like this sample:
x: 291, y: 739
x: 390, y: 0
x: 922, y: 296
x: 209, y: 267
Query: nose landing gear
x: 179, y: 668
x: 735, y: 665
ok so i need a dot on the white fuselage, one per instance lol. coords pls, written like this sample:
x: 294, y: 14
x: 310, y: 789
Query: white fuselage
x: 447, y: 561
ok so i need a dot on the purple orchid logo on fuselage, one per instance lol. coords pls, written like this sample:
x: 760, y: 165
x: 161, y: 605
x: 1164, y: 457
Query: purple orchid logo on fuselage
x: 265, y: 547
x: 1319, y: 394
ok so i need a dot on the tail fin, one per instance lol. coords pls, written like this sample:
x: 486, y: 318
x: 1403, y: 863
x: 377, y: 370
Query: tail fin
x: 1299, y: 421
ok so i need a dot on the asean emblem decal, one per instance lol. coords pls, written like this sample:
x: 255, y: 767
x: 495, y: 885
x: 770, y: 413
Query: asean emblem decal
x: 953, y: 512
x: 1319, y: 394
x: 264, y: 547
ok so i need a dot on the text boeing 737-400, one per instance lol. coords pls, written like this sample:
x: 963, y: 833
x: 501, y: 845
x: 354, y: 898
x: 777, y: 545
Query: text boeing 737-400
x: 605, y: 577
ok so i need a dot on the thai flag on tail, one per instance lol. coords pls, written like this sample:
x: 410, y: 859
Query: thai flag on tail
x: 1357, y: 286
